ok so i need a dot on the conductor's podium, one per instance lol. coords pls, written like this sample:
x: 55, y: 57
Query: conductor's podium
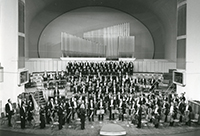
x: 112, y: 130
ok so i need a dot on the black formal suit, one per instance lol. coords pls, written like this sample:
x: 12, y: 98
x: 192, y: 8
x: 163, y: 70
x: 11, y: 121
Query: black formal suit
x: 42, y: 118
x: 69, y: 111
x: 9, y: 113
x: 48, y: 113
x: 157, y: 117
x: 188, y: 115
x: 122, y: 110
x: 60, y: 116
x: 82, y: 117
x: 23, y: 116
x: 181, y: 110
x: 139, y: 116
x: 167, y: 110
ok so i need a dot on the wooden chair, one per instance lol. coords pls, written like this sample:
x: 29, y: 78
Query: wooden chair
x: 144, y: 122
x: 54, y: 122
x: 36, y: 120
x: 17, y: 120
x: 77, y: 123
x: 176, y: 120
x: 196, y: 119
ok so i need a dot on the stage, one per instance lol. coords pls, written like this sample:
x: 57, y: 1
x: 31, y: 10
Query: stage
x: 112, y: 130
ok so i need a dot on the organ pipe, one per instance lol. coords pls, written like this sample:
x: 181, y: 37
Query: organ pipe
x: 106, y: 42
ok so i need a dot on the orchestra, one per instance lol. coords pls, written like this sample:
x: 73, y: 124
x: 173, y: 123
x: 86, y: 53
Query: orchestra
x: 109, y: 89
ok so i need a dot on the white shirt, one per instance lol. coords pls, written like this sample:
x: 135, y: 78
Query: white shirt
x: 75, y: 104
x: 91, y: 105
x: 111, y: 102
x: 101, y: 105
x: 156, y: 110
x: 10, y: 105
x: 171, y: 109
x: 186, y: 108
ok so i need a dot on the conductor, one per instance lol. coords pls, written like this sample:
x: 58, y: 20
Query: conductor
x: 82, y: 115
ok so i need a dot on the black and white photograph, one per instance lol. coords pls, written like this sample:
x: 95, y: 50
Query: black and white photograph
x: 99, y: 67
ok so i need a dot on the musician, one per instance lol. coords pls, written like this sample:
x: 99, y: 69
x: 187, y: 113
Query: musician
x: 74, y: 107
x: 62, y: 75
x: 82, y: 115
x: 112, y: 105
x: 68, y: 107
x: 188, y: 114
x: 181, y: 108
x: 183, y: 97
x: 172, y: 114
x: 23, y: 115
x: 101, y: 108
x: 60, y: 116
x: 149, y: 111
x: 42, y: 117
x: 52, y: 107
x: 139, y: 115
x: 56, y: 104
x: 122, y: 109
x: 9, y: 112
x: 157, y: 114
x: 91, y: 110
x: 48, y: 112
x: 30, y: 110
x: 166, y: 109
x: 56, y: 92
x: 45, y: 76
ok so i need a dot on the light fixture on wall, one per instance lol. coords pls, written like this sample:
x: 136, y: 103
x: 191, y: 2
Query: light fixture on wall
x: 1, y: 73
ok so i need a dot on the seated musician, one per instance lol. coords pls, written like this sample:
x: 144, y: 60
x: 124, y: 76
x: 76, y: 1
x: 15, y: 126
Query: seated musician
x: 56, y: 92
x: 45, y: 76
x: 100, y: 109
x: 62, y: 75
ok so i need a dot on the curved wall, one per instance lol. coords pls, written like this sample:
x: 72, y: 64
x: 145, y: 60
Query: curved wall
x: 86, y: 19
x: 159, y: 16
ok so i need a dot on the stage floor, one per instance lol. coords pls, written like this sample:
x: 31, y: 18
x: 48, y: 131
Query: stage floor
x: 112, y: 130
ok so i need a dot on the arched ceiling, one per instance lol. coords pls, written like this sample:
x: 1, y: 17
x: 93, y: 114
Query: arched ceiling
x: 159, y: 16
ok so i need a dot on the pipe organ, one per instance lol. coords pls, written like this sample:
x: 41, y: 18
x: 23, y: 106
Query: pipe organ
x: 109, y: 42
x: 75, y: 46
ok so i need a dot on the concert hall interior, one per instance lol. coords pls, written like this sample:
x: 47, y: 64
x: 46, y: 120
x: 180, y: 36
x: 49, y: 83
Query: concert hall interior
x: 80, y: 51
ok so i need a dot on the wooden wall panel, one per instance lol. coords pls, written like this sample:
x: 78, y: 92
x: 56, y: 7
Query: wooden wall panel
x: 148, y: 68
x: 42, y: 63
x: 38, y: 65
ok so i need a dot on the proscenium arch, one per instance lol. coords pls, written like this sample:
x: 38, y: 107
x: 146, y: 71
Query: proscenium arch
x: 146, y: 45
x: 134, y: 8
